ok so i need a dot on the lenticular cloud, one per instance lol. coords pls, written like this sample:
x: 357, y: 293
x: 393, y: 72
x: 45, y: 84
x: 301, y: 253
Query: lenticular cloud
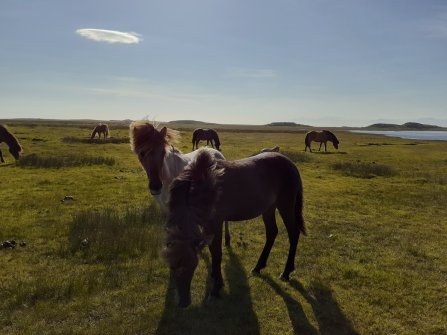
x: 109, y: 36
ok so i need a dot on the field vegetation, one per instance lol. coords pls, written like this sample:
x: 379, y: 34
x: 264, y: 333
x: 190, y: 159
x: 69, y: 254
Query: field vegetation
x: 374, y: 261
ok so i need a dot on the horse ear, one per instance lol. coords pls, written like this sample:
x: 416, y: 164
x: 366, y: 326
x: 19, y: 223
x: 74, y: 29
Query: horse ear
x: 163, y: 132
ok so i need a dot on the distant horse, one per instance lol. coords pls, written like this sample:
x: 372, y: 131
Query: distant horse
x: 101, y: 129
x: 208, y: 135
x: 209, y: 191
x: 161, y: 161
x: 322, y: 137
x: 12, y: 142
x: 274, y: 149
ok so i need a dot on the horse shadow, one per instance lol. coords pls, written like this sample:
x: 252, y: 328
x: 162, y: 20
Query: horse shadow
x: 330, y: 152
x: 229, y: 314
x: 330, y: 318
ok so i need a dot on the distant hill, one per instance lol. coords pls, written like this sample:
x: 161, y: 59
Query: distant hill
x: 189, y: 122
x: 408, y: 125
x: 285, y: 124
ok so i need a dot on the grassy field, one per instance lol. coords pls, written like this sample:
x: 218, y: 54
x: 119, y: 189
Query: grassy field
x: 374, y: 262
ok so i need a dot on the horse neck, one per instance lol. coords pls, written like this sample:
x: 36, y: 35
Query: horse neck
x: 174, y: 163
x: 9, y: 139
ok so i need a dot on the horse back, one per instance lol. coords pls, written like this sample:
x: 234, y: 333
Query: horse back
x: 250, y: 185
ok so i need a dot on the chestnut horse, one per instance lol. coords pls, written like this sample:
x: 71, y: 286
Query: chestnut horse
x: 161, y: 161
x: 209, y: 191
x: 322, y: 137
x: 101, y: 129
x: 14, y: 146
x: 208, y: 135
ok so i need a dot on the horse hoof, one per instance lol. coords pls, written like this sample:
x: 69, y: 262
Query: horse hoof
x: 256, y: 271
x: 284, y: 277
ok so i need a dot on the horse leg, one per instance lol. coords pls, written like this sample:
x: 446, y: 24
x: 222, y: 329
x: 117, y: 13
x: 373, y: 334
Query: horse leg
x: 325, y: 149
x: 287, y: 212
x: 216, y: 260
x: 227, y: 234
x: 321, y: 143
x: 212, y: 144
x: 1, y: 157
x: 271, y: 230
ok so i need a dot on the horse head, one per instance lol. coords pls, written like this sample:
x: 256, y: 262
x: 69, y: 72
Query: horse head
x: 192, y: 197
x: 150, y: 146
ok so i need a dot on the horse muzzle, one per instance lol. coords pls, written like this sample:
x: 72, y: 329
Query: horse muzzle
x: 154, y: 191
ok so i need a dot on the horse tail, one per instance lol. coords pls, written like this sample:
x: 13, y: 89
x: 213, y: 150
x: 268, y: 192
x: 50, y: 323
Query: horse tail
x: 307, y: 140
x: 299, y: 211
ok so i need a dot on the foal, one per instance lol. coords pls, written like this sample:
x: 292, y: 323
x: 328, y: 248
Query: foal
x: 210, y: 191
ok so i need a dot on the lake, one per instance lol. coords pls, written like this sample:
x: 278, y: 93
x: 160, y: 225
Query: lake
x: 438, y: 135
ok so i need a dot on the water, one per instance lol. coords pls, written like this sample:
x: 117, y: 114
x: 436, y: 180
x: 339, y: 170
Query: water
x: 438, y: 135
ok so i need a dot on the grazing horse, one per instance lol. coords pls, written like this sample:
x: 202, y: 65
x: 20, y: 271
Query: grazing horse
x: 274, y: 149
x: 209, y: 191
x: 161, y: 161
x: 210, y: 135
x: 322, y: 137
x: 100, y: 129
x: 14, y: 146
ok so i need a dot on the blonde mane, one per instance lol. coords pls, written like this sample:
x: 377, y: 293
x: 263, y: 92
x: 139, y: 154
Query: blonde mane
x: 141, y: 130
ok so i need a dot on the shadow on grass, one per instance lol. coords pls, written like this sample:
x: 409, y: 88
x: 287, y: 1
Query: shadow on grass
x: 231, y: 314
x: 330, y: 152
x: 331, y: 319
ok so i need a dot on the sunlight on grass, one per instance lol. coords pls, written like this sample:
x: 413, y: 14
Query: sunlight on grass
x: 364, y: 170
x: 38, y: 161
x: 297, y: 157
x: 108, y: 235
x: 118, y: 140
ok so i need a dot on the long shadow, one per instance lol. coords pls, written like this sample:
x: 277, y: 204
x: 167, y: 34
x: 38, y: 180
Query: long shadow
x: 231, y: 314
x: 331, y: 319
x: 298, y: 318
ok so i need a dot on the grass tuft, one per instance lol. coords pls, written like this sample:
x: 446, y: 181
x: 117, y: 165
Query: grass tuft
x: 364, y: 170
x: 110, y: 235
x: 38, y: 161
x: 297, y: 157
x: 113, y: 140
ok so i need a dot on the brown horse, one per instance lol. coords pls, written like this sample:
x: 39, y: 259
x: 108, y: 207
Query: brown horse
x: 100, y: 129
x: 161, y: 161
x: 209, y: 191
x: 208, y: 135
x: 14, y: 146
x: 322, y: 137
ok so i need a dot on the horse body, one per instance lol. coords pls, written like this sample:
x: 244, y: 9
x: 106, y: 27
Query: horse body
x: 100, y: 129
x: 208, y: 135
x: 208, y: 192
x: 322, y: 137
x: 14, y: 146
x: 274, y: 149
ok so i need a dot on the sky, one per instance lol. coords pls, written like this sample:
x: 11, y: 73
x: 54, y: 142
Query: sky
x: 314, y: 62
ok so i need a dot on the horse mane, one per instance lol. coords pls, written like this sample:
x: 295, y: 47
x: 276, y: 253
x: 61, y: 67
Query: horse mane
x: 194, y: 192
x: 332, y: 136
x: 9, y: 139
x: 140, y: 131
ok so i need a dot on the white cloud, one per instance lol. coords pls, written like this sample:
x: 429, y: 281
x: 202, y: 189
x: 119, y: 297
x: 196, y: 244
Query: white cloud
x: 252, y: 73
x: 110, y: 36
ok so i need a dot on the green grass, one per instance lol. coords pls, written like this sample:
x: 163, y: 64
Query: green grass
x: 364, y: 169
x: 72, y: 139
x: 374, y: 261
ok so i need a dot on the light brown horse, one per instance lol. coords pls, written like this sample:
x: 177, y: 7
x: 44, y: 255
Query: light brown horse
x: 161, y: 161
x: 100, y: 129
x: 14, y: 146
x: 209, y: 191
x: 322, y: 137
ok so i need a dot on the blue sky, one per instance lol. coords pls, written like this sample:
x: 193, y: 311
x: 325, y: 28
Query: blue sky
x: 317, y: 62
